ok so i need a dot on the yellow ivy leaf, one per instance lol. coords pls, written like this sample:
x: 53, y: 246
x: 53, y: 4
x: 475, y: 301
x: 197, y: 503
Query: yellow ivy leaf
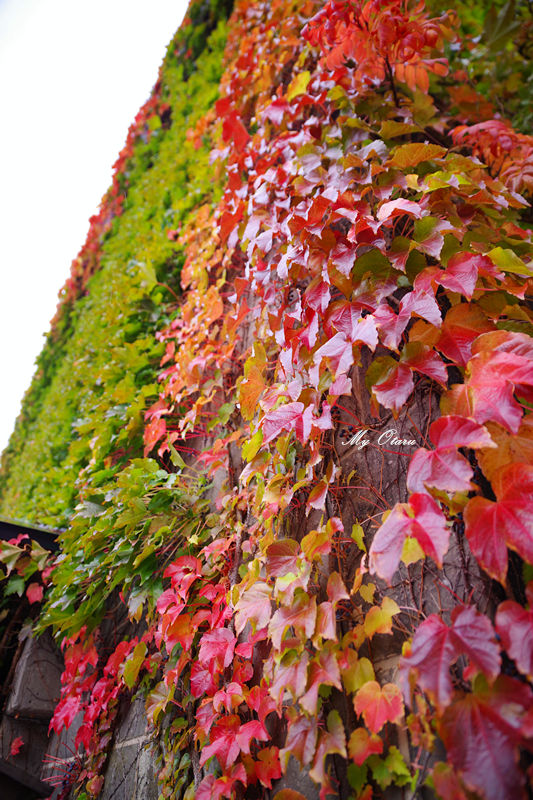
x: 358, y: 537
x: 367, y: 592
x: 409, y: 155
x: 298, y: 85
x: 358, y: 672
x: 390, y: 129
x: 250, y: 390
x: 379, y: 620
x: 412, y: 551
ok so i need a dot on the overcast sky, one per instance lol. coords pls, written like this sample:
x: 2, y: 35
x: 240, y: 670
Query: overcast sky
x: 72, y: 77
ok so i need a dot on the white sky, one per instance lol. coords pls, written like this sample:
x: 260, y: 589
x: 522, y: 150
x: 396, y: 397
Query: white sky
x: 73, y: 75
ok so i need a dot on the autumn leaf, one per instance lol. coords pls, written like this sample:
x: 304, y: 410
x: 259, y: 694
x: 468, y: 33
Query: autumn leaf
x: 444, y: 468
x: 298, y: 86
x: 504, y: 342
x: 462, y: 271
x: 234, y: 131
x: 213, y: 788
x: 216, y: 648
x: 267, y: 766
x: 157, y: 701
x: 229, y: 737
x: 421, y: 358
x: 410, y: 155
x: 390, y: 382
x: 510, y: 448
x: 301, y: 738
x: 436, y: 646
x: 514, y: 625
x: 16, y: 745
x: 289, y: 794
x: 34, y: 592
x: 447, y: 784
x: 323, y: 670
x: 379, y: 618
x: 250, y: 390
x: 254, y: 606
x: 492, y: 527
x: 508, y: 261
x: 183, y: 572
x: 489, y: 388
x: 378, y: 705
x: 395, y: 208
x: 362, y: 745
x: 331, y: 741
x: 301, y: 615
x: 462, y: 325
x: 481, y: 733
x: 177, y: 630
x: 64, y: 713
x: 355, y: 671
x: 134, y: 663
x: 390, y: 129
x: 422, y: 519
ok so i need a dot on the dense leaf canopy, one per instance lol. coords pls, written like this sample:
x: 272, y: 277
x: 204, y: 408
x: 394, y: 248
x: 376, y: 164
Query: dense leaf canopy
x: 283, y: 414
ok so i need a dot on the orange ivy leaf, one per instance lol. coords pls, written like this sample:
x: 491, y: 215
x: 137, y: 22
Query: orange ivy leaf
x: 410, y: 155
x: 378, y: 705
x: 362, y: 745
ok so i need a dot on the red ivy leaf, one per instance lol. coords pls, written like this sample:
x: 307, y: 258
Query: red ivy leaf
x: 515, y: 627
x: 290, y: 675
x: 481, y: 733
x: 391, y: 382
x: 462, y: 325
x: 422, y: 358
x: 462, y: 271
x: 234, y: 131
x: 323, y: 670
x: 34, y: 593
x: 64, y: 714
x: 420, y: 518
x: 492, y: 527
x: 444, y: 468
x: 487, y: 393
x: 282, y: 557
x: 331, y: 741
x: 216, y: 648
x: 447, y: 783
x: 435, y: 647
x: 268, y: 767
x: 182, y: 573
x: 212, y: 788
x: 301, y: 738
x: 16, y: 744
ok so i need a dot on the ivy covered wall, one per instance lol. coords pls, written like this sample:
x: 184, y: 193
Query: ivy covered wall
x: 98, y: 370
x: 319, y: 228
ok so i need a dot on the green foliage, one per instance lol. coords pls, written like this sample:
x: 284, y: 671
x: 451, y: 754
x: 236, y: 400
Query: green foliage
x: 84, y: 410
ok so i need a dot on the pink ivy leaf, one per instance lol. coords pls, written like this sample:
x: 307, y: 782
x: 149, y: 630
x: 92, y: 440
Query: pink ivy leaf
x: 216, y: 647
x: 16, y: 744
x: 34, y: 592
x: 436, y: 646
x: 422, y: 519
x: 395, y: 208
x: 444, y: 468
